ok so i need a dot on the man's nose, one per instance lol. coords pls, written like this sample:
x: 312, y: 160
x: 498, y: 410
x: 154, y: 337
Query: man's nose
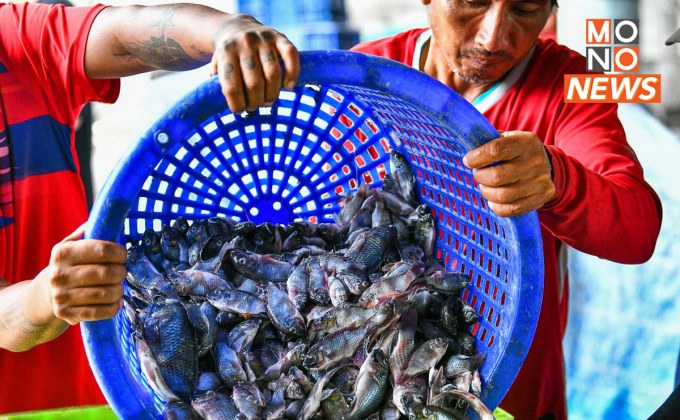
x: 492, y: 34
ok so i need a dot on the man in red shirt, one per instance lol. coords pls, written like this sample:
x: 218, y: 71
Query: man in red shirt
x: 53, y: 60
x: 571, y: 162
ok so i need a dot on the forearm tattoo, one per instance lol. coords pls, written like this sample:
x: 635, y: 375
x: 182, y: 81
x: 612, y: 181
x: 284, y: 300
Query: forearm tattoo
x: 12, y: 318
x: 163, y: 51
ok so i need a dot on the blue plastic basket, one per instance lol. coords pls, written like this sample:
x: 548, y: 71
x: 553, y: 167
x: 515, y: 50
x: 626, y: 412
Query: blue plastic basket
x: 292, y: 161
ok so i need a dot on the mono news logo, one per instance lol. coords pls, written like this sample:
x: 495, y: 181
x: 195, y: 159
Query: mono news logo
x: 612, y: 48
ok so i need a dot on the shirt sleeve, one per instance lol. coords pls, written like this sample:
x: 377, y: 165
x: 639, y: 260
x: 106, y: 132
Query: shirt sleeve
x: 45, y: 45
x: 603, y: 206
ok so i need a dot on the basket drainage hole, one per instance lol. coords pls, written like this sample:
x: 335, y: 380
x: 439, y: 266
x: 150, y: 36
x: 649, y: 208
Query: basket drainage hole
x: 276, y: 205
x: 254, y: 211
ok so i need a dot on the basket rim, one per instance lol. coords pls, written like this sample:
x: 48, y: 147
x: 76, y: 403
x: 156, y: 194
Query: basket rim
x: 319, y: 68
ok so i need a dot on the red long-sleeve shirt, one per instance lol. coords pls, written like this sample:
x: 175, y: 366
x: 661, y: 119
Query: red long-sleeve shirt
x: 602, y: 205
x: 42, y: 90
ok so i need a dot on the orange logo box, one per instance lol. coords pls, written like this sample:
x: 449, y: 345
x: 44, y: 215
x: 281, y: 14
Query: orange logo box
x: 610, y: 88
x: 598, y: 31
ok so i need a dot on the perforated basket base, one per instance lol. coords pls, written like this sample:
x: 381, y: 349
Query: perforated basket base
x: 293, y: 161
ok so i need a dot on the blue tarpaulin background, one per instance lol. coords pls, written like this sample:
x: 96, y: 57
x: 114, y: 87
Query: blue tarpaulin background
x: 623, y: 335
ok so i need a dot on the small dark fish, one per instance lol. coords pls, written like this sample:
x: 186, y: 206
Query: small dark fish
x: 395, y: 203
x: 448, y: 315
x: 179, y: 410
x: 213, y: 405
x: 174, y: 245
x: 337, y: 291
x: 151, y: 245
x: 143, y: 275
x: 426, y: 303
x: 344, y: 379
x: 380, y: 216
x: 208, y: 381
x: 283, y: 314
x: 260, y: 267
x: 371, y: 386
x: 363, y: 219
x: 447, y: 282
x: 170, y: 337
x: 241, y: 337
x: 293, y: 409
x: 296, y: 285
x: 352, y: 204
x: 204, y: 329
x: 402, y: 173
x: 344, y: 316
x: 181, y: 224
x: 198, y: 282
x: 434, y: 412
x: 405, y: 345
x: 341, y: 344
x: 389, y: 411
x: 248, y: 399
x: 370, y: 246
x: 228, y: 364
x: 151, y: 370
x: 468, y: 317
x: 197, y: 232
x: 219, y: 226
x: 301, y: 378
x: 394, y: 283
x: 276, y: 405
x: 293, y: 357
x: 237, y: 301
x: 335, y: 407
x: 240, y: 242
x: 303, y: 227
x: 264, y: 238
x: 457, y: 364
x: 390, y: 185
x: 313, y: 401
x: 482, y: 411
x: 426, y: 356
x: 409, y: 394
x: 244, y: 229
x: 425, y: 229
x: 465, y: 343
x: 317, y: 286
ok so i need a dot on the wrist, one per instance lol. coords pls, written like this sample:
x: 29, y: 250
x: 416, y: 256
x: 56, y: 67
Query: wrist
x: 39, y: 308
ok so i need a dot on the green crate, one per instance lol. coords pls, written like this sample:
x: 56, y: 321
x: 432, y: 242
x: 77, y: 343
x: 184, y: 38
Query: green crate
x: 98, y: 412
x: 501, y: 414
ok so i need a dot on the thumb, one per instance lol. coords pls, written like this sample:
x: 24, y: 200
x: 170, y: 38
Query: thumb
x: 77, y: 234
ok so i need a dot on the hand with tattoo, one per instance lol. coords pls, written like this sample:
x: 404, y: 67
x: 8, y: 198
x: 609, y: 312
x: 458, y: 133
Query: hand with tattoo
x: 245, y: 54
x: 247, y: 58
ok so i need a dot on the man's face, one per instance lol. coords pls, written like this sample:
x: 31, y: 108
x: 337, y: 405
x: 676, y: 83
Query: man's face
x: 481, y: 40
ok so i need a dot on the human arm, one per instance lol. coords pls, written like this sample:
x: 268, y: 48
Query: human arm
x: 600, y: 203
x: 521, y: 179
x: 245, y: 54
x: 83, y: 282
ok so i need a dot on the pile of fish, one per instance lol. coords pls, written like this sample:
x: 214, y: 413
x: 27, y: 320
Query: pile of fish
x: 346, y: 320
